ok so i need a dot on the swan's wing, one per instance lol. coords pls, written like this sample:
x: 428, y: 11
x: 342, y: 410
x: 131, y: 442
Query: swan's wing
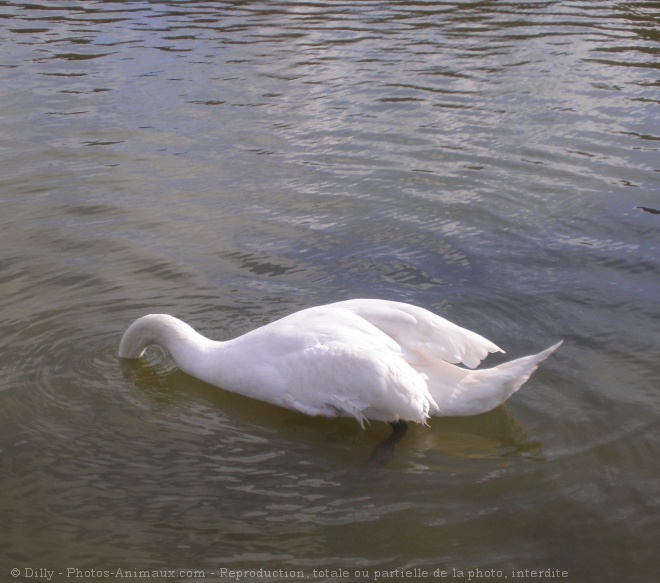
x: 424, y: 336
x: 360, y: 380
x: 330, y: 361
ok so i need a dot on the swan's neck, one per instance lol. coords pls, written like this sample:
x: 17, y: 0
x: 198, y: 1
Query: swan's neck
x: 194, y: 354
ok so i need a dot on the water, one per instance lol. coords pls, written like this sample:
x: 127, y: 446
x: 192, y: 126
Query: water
x: 232, y: 162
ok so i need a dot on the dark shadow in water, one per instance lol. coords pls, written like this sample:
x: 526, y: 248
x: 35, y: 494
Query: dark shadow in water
x: 494, y: 434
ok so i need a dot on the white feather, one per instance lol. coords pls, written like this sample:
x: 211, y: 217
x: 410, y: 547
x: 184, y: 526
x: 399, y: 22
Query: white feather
x: 368, y: 359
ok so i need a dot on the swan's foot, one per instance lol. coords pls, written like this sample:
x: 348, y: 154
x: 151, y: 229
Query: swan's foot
x: 384, y: 451
x: 399, y: 429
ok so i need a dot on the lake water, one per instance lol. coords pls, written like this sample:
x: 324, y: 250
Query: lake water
x: 232, y: 162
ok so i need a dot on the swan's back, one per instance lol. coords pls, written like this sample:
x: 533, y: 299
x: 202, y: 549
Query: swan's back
x: 431, y: 346
x: 329, y: 361
x: 423, y: 335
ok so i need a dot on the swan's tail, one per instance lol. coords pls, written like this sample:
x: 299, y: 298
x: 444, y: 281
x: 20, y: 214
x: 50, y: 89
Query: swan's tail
x: 481, y: 390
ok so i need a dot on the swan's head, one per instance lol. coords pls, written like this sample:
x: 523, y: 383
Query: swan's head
x: 160, y: 329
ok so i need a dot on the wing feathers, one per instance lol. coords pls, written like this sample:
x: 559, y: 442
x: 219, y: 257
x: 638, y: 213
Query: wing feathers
x: 424, y: 336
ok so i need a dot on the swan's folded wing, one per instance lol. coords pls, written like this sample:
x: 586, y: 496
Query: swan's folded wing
x: 424, y: 336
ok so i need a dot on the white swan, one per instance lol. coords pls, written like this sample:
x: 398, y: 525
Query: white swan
x: 369, y: 359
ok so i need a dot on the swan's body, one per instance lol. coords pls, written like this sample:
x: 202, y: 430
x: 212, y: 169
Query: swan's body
x: 369, y: 359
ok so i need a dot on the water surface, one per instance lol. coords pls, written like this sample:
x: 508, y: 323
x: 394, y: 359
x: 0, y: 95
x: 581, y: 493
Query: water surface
x: 232, y: 162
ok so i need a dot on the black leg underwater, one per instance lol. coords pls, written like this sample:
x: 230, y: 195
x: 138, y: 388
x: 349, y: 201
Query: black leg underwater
x: 384, y: 451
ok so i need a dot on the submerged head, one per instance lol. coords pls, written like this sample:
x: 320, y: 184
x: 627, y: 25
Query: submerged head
x: 159, y: 329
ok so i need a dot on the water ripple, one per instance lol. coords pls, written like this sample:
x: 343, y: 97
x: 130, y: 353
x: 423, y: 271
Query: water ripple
x: 231, y: 162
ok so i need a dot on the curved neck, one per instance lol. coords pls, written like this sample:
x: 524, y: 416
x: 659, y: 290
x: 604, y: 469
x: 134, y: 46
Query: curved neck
x: 189, y: 349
